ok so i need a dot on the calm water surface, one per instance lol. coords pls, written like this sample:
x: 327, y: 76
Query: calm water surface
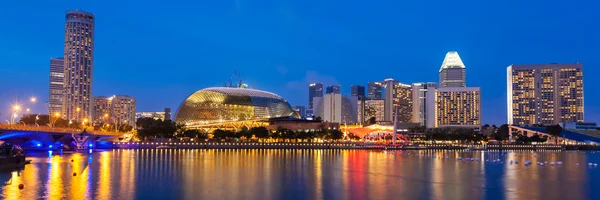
x: 302, y: 174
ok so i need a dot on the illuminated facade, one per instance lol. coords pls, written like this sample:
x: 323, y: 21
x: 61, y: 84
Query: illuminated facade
x: 398, y: 96
x: 458, y: 107
x: 153, y: 115
x: 370, y: 108
x: 336, y: 108
x: 78, y: 65
x: 423, y: 104
x: 545, y: 94
x: 118, y: 110
x: 452, y: 72
x: 57, y: 75
x: 226, y: 105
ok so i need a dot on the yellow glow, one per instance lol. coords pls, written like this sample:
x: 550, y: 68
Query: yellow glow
x: 77, y: 109
x: 16, y: 107
x: 57, y: 114
x: 105, y: 115
x: 33, y: 99
x: 85, y: 120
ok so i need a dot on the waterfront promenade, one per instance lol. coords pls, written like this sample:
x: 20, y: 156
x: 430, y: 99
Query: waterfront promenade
x: 257, y: 145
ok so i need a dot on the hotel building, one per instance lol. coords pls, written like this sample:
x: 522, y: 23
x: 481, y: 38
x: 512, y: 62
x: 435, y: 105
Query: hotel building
x: 458, y: 107
x: 57, y: 75
x: 424, y: 104
x: 115, y: 110
x: 78, y: 65
x: 545, y: 94
x: 452, y: 72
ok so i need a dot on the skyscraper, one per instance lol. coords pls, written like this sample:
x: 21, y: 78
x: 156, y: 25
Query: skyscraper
x: 333, y: 89
x: 358, y: 91
x: 424, y: 104
x: 370, y: 108
x: 452, y: 72
x: 336, y: 108
x: 314, y: 90
x: 117, y: 110
x: 78, y: 65
x: 458, y: 107
x: 545, y: 94
x: 301, y: 110
x: 375, y: 90
x: 57, y: 74
x: 398, y: 97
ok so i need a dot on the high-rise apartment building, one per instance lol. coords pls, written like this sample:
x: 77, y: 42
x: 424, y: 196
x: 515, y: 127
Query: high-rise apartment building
x: 458, y: 107
x: 115, y: 110
x: 57, y: 75
x: 336, y: 108
x: 314, y: 90
x: 398, y: 97
x: 78, y: 65
x: 424, y: 103
x: 333, y: 89
x: 545, y: 94
x: 452, y: 72
x: 167, y: 114
x: 375, y: 90
x: 358, y: 91
x: 370, y: 108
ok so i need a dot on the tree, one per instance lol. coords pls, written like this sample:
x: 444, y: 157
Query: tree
x: 157, y: 128
x: 336, y: 134
x: 486, y: 126
x: 371, y: 120
x: 259, y: 132
x: 555, y: 131
x: 502, y: 133
x: 318, y: 118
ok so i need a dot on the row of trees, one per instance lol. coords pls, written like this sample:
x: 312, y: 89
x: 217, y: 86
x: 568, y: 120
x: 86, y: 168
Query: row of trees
x: 45, y: 120
x: 460, y: 134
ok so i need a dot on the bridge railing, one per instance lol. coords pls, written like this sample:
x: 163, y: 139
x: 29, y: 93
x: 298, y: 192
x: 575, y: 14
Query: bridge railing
x: 20, y: 127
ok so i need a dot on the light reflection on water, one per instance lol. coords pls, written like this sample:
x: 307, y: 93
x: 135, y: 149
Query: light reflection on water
x: 301, y: 174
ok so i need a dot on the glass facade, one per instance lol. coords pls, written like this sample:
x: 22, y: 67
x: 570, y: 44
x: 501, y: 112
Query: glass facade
x: 452, y: 72
x: 223, y: 104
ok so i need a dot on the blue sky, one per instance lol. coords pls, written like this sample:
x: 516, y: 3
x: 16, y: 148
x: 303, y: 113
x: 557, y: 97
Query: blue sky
x: 162, y: 51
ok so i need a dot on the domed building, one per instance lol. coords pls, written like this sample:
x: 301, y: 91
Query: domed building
x: 228, y: 106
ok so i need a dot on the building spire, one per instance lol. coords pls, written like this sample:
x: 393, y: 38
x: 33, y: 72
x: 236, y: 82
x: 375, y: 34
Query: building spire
x: 452, y: 60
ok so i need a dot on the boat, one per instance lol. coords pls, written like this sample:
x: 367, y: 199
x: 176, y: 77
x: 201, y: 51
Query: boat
x: 12, y: 156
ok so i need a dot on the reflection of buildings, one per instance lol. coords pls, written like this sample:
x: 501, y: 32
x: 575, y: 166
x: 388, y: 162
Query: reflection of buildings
x: 336, y: 108
x: 357, y: 91
x: 458, y: 107
x: 115, y: 109
x: 57, y: 74
x: 370, y: 108
x: 375, y: 90
x: 78, y: 64
x: 424, y: 104
x: 545, y: 94
x: 334, y: 89
x: 224, y: 107
x: 398, y: 96
x: 314, y: 90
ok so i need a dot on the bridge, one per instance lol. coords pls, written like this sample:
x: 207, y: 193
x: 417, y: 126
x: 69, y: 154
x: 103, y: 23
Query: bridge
x: 568, y: 134
x: 44, y: 137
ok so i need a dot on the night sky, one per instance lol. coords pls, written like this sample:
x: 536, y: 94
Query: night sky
x: 162, y: 51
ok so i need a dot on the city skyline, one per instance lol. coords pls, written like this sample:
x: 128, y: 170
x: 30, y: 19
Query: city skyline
x: 113, y: 75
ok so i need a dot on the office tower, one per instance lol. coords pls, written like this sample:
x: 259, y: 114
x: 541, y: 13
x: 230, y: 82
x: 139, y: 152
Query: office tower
x: 358, y: 91
x: 334, y: 89
x: 78, y: 65
x: 545, y: 94
x: 336, y: 108
x: 375, y: 90
x: 55, y: 98
x: 301, y: 110
x: 424, y: 104
x: 314, y: 90
x: 398, y: 97
x: 119, y: 110
x: 458, y: 107
x: 370, y: 108
x: 452, y: 72
x: 167, y: 114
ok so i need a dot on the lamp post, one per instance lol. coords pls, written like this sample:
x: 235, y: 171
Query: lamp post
x: 53, y: 121
x: 15, y: 113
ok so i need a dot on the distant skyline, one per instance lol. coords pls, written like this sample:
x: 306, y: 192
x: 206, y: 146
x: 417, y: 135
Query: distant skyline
x: 161, y: 53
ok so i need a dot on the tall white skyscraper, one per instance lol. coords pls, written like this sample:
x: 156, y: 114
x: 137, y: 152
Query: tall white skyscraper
x: 424, y: 104
x: 452, y: 72
x: 78, y: 65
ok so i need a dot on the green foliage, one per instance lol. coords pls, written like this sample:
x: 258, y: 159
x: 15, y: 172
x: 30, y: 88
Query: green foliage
x: 502, y: 133
x: 371, y: 120
x: 461, y: 134
x: 554, y: 130
x: 156, y: 128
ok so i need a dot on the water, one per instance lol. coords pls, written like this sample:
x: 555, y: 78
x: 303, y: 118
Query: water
x: 302, y: 174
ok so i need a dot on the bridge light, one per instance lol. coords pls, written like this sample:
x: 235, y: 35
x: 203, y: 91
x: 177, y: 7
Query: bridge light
x: 50, y: 146
x: 90, y: 145
x: 39, y: 145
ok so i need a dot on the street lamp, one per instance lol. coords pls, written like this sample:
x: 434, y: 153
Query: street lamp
x: 32, y: 99
x: 53, y: 121
x: 15, y: 113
